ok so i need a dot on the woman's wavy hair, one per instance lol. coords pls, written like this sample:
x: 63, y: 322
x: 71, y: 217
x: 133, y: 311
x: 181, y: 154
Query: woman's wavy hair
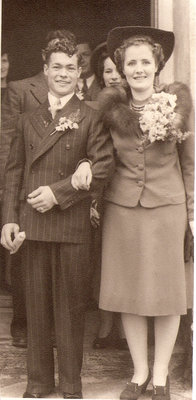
x: 67, y: 45
x: 157, y: 51
x: 100, y: 68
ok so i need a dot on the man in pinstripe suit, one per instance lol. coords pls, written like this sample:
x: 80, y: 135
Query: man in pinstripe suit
x: 21, y: 96
x: 40, y: 200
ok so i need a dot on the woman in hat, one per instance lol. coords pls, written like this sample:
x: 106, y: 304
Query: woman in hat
x: 148, y: 202
x: 110, y: 331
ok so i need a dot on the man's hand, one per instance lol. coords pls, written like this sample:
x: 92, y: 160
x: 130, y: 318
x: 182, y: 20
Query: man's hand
x: 8, y: 235
x: 42, y: 199
x: 82, y: 177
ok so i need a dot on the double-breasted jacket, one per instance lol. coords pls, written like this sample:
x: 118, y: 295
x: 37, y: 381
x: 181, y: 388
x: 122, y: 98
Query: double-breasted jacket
x: 40, y: 156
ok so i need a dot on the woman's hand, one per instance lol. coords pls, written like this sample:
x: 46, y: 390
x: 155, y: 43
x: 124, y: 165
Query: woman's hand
x: 82, y: 177
x: 191, y: 223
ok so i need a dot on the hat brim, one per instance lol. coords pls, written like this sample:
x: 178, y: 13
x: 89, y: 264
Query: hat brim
x: 96, y: 54
x: 116, y: 36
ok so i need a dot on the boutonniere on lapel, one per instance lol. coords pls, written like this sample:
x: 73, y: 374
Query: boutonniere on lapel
x: 160, y: 121
x: 65, y: 123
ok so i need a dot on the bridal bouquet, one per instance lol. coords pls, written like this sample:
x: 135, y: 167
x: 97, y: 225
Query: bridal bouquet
x: 159, y: 121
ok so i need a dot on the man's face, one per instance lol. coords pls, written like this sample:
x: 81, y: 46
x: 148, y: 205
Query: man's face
x: 62, y: 73
x: 85, y: 54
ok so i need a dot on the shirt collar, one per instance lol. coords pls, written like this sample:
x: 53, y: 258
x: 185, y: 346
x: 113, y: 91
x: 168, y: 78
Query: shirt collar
x: 89, y: 81
x: 63, y: 100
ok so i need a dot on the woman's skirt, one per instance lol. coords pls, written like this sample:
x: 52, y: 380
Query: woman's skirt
x: 143, y: 270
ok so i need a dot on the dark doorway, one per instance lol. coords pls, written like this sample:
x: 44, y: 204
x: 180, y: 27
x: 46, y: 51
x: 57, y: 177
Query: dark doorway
x: 26, y: 22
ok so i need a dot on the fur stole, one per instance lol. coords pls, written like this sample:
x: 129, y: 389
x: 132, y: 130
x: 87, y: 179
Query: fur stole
x: 115, y: 112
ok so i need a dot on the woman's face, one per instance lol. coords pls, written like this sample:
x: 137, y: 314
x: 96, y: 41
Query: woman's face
x: 4, y: 65
x: 111, y: 76
x: 139, y: 67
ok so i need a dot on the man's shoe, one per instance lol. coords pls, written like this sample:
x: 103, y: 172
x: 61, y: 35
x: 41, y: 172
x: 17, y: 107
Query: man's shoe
x: 28, y: 395
x: 20, y: 341
x: 76, y: 395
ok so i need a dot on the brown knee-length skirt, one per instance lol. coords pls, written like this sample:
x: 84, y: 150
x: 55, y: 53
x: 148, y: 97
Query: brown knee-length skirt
x: 143, y: 270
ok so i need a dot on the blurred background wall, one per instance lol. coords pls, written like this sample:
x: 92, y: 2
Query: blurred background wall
x: 26, y: 22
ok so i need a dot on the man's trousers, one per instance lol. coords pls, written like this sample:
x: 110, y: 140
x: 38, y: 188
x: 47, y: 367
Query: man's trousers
x: 57, y: 284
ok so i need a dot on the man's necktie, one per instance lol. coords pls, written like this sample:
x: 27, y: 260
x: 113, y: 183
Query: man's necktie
x: 55, y: 107
x: 84, y: 87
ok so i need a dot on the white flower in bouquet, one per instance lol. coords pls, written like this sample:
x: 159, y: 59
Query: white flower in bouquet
x: 158, y: 119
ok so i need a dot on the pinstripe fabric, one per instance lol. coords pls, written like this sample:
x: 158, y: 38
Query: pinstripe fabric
x: 21, y: 96
x: 56, y: 253
x: 59, y: 272
x: 38, y: 158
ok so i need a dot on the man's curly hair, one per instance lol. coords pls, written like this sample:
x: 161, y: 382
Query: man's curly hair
x: 66, y: 44
x: 59, y: 34
x: 119, y: 54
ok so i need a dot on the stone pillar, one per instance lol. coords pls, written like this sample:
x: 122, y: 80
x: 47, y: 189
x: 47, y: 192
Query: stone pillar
x: 178, y: 16
x: 162, y: 18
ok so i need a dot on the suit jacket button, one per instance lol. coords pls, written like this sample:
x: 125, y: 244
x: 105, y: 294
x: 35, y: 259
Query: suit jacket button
x: 140, y: 183
x: 140, y: 149
x: 140, y: 167
x: 67, y: 146
x: 31, y: 146
x: 61, y: 173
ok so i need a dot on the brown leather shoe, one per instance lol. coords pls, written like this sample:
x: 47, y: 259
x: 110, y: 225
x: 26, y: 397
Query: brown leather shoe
x: 76, y: 395
x: 20, y: 341
x: 28, y: 395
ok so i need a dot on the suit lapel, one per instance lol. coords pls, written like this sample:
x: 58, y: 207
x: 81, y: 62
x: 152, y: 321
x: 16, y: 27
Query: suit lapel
x: 49, y: 136
x: 41, y: 119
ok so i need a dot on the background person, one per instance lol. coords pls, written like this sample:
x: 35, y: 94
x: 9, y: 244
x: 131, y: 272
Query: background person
x: 88, y: 87
x: 4, y: 149
x: 110, y: 331
x: 4, y: 70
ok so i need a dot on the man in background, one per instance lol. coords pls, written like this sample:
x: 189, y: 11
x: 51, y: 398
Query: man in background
x: 88, y: 86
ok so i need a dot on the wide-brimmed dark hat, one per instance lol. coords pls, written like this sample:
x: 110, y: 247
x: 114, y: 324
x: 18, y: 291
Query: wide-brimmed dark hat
x: 116, y: 36
x: 96, y: 54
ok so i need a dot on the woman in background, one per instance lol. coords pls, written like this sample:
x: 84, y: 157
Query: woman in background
x: 110, y: 331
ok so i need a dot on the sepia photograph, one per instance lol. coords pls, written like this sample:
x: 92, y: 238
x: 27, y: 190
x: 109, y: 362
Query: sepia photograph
x: 97, y: 181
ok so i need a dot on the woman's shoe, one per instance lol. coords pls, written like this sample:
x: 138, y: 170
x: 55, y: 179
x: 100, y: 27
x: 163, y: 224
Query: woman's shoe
x: 133, y: 390
x: 161, y: 392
